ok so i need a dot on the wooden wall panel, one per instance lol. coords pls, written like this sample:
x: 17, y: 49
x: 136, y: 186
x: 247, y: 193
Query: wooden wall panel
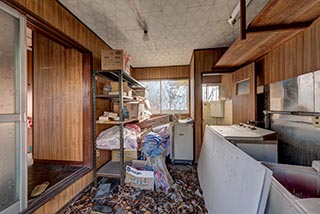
x: 166, y: 72
x: 211, y: 79
x: 226, y: 86
x: 299, y: 55
x: 57, y: 202
x: 56, y: 15
x: 283, y: 12
x: 244, y: 106
x: 192, y: 95
x: 58, y: 117
x: 204, y: 61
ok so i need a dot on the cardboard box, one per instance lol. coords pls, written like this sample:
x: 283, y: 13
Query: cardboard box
x: 139, y: 179
x: 129, y: 155
x: 115, y: 87
x: 135, y: 109
x: 115, y: 60
x: 140, y: 92
x: 155, y: 121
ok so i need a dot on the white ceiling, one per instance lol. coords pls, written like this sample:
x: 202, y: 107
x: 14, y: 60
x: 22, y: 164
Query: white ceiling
x: 175, y: 27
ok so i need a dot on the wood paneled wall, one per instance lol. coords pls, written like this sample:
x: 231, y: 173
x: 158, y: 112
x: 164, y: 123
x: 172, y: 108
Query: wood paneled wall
x: 226, y: 86
x: 57, y: 117
x: 211, y: 79
x: 52, y: 12
x: 57, y: 202
x: 166, y: 72
x: 206, y: 59
x: 192, y: 95
x: 203, y: 62
x: 244, y: 106
x: 299, y: 55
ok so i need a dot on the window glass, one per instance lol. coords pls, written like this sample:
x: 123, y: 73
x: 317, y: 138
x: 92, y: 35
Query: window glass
x: 243, y: 87
x: 168, y: 96
x: 175, y: 96
x: 153, y: 95
x: 210, y: 93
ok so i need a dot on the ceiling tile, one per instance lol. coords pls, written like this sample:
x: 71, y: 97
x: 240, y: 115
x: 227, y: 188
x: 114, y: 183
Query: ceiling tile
x: 175, y: 27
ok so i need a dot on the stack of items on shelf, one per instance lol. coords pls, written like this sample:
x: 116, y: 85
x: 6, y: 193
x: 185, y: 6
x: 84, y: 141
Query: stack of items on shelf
x: 110, y: 139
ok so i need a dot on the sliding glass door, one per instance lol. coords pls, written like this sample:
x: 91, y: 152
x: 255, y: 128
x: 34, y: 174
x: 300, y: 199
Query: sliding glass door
x: 13, y: 176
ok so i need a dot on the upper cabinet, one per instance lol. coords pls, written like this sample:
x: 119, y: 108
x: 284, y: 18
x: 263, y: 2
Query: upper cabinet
x: 275, y: 24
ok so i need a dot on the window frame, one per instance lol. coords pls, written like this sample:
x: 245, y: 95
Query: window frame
x: 171, y: 79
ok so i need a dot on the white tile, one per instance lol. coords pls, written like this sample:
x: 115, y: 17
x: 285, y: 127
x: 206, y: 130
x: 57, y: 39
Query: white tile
x: 176, y: 27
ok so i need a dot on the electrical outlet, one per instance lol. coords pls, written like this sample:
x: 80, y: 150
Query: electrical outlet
x: 316, y: 121
x: 97, y: 153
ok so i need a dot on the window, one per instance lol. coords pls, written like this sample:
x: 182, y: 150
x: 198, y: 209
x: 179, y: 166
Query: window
x: 210, y: 92
x: 168, y: 96
x: 243, y: 87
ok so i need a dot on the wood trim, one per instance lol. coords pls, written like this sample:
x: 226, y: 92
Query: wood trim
x: 68, y: 193
x: 87, y: 110
x: 161, y: 72
x: 204, y: 61
x: 224, y: 69
x: 36, y: 23
x: 61, y: 162
x: 168, y: 66
x: 280, y: 27
x: 55, y: 192
x: 243, y: 24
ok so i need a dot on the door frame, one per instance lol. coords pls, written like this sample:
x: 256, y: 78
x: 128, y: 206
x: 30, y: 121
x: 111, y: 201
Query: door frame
x: 21, y: 80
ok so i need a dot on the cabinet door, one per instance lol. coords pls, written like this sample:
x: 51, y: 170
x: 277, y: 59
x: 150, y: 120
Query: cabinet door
x: 183, y: 142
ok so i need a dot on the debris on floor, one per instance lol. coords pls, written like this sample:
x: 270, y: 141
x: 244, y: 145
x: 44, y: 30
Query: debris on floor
x: 39, y: 189
x: 184, y: 196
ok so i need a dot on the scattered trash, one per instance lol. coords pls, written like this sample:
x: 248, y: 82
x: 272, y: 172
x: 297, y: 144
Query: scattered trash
x: 151, y: 145
x: 184, y: 196
x: 39, y: 189
x: 103, y: 190
x: 162, y: 177
x: 102, y: 209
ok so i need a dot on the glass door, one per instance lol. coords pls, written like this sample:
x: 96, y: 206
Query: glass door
x: 13, y: 176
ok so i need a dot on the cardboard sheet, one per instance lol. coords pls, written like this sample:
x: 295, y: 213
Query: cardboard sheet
x: 232, y: 181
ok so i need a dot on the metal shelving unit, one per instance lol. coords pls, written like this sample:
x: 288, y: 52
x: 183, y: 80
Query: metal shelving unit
x: 110, y: 169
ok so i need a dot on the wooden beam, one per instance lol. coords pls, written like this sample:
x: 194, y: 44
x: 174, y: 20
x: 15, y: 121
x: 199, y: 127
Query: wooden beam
x: 243, y: 19
x: 221, y: 70
x: 280, y: 27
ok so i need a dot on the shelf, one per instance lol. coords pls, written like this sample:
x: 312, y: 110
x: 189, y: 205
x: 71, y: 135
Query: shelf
x: 114, y: 97
x: 116, y: 122
x: 111, y: 169
x: 114, y: 76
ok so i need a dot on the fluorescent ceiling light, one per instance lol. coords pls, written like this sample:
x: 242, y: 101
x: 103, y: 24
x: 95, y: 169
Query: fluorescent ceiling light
x: 235, y: 15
